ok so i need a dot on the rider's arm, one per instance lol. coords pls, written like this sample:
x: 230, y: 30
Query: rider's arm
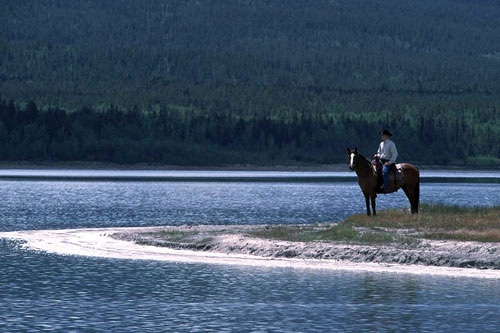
x: 379, y: 151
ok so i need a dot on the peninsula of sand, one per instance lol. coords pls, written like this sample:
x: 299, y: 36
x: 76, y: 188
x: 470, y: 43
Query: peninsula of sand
x: 242, y: 245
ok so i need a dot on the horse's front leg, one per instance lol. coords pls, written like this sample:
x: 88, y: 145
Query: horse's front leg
x: 367, y: 200
x: 373, y: 196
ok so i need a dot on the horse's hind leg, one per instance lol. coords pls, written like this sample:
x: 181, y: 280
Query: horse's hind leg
x: 416, y: 198
x: 412, y: 198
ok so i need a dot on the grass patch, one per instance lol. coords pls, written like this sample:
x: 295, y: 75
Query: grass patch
x: 490, y: 235
x: 433, y: 217
x: 172, y: 235
x: 393, y: 226
x: 341, y: 232
x: 440, y: 222
x: 304, y: 233
x: 398, y: 226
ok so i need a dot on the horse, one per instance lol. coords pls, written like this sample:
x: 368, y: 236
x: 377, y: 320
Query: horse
x: 369, y: 181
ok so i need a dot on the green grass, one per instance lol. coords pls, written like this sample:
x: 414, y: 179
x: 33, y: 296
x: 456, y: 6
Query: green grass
x: 171, y: 234
x: 388, y: 227
x: 440, y: 222
x: 434, y: 222
x: 344, y: 232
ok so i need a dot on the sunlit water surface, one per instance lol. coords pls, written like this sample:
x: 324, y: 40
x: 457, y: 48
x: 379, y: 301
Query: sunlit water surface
x: 46, y: 292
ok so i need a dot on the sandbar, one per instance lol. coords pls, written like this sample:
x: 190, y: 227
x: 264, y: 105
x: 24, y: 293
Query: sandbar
x: 114, y: 243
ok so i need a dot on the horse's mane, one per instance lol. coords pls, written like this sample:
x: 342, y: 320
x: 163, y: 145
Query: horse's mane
x: 367, y: 160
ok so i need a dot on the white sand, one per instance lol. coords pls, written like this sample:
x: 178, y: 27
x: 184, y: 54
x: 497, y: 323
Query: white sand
x: 98, y: 243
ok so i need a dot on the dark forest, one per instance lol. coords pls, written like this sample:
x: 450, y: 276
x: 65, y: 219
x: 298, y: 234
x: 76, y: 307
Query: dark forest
x: 249, y: 82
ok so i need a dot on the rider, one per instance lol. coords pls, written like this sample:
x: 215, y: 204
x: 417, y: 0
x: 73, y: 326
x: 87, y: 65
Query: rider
x: 387, y: 153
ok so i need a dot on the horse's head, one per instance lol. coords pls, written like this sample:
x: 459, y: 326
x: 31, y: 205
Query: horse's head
x: 352, y: 158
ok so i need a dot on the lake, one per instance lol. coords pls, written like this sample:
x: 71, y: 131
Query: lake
x: 47, y: 292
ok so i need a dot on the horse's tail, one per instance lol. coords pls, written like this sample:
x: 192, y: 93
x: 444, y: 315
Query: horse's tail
x: 416, y: 195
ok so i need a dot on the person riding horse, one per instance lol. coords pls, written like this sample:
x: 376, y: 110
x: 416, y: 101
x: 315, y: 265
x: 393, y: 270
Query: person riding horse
x: 387, y: 153
x: 369, y: 181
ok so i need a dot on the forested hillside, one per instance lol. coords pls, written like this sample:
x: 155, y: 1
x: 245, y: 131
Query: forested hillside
x: 249, y: 81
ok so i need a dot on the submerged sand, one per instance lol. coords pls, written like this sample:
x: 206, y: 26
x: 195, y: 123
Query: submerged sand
x: 233, y: 245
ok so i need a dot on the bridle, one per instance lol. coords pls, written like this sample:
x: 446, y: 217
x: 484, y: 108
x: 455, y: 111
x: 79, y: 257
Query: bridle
x: 354, y: 159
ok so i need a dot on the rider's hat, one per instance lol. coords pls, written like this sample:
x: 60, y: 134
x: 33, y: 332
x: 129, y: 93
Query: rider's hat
x: 386, y: 132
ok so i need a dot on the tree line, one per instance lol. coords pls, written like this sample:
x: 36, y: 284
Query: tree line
x: 169, y: 135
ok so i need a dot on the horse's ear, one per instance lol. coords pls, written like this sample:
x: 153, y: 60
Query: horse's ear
x: 348, y: 150
x: 355, y: 150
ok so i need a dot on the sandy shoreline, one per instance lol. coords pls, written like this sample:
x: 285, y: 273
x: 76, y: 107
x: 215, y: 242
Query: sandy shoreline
x: 236, y: 248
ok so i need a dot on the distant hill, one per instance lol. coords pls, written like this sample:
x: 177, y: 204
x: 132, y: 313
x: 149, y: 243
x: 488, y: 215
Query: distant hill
x: 127, y: 52
x: 430, y: 65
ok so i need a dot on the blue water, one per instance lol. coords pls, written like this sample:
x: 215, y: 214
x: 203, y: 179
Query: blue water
x: 76, y: 204
x: 47, y: 292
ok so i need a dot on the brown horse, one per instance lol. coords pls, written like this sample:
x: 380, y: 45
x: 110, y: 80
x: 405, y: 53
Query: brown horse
x: 369, y: 181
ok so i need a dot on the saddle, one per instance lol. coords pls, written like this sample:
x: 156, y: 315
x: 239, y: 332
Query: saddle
x: 396, y: 173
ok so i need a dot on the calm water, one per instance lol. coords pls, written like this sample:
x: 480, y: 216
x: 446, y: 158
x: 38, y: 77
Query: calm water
x: 45, y: 292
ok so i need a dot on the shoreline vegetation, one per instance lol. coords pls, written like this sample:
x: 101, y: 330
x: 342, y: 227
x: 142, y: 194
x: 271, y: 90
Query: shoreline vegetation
x: 393, y: 226
x: 168, y: 136
x: 448, y: 236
